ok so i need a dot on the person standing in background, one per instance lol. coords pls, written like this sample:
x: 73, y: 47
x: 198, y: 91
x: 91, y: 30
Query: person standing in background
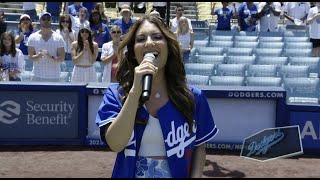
x: 269, y: 13
x: 99, y: 7
x: 185, y: 37
x: 126, y: 21
x: 46, y: 50
x: 25, y: 29
x: 89, y: 5
x: 80, y: 21
x: 68, y: 34
x: 11, y: 58
x: 314, y: 21
x: 224, y: 16
x: 248, y: 16
x: 161, y: 7
x: 54, y: 8
x: 298, y: 11
x: 174, y: 23
x: 30, y: 9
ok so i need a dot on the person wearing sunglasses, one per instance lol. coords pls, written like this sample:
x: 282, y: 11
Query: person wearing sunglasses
x: 25, y: 29
x: 164, y: 136
x: 78, y: 20
x: 84, y: 53
x: 126, y: 21
x: 46, y: 50
x: 109, y: 57
x: 68, y: 34
x: 174, y: 23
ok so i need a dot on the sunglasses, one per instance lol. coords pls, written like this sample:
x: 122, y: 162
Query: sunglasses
x: 25, y: 19
x: 116, y: 32
x: 65, y: 21
x: 46, y: 19
x: 180, y: 10
x: 84, y: 31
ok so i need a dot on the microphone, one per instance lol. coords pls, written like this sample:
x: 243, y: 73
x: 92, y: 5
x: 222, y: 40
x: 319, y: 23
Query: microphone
x: 147, y: 81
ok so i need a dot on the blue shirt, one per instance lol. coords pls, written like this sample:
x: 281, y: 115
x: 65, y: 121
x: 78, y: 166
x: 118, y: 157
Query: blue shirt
x: 224, y: 17
x: 53, y: 7
x: 102, y: 37
x: 22, y: 45
x: 179, y: 143
x: 123, y: 25
x: 74, y: 10
x: 248, y: 17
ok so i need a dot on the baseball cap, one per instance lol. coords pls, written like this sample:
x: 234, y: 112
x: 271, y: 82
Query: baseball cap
x: 44, y: 13
x: 25, y: 15
x: 85, y: 27
x: 125, y: 7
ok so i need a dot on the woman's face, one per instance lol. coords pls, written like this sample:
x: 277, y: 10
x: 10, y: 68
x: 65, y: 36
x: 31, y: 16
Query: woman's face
x: 183, y: 22
x: 115, y: 33
x: 65, y: 23
x: 25, y: 21
x: 84, y: 34
x: 7, y: 41
x: 149, y: 38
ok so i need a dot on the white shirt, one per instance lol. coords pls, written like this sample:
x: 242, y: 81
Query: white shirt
x: 184, y: 40
x: 269, y: 21
x: 315, y: 26
x: 29, y: 5
x: 175, y: 24
x: 17, y: 62
x: 67, y: 48
x: 45, y: 67
x: 159, y: 4
x: 107, y: 50
x: 76, y: 24
x: 296, y: 10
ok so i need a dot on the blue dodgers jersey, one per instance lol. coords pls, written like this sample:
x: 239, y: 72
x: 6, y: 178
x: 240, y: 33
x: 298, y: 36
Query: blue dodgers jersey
x: 179, y: 143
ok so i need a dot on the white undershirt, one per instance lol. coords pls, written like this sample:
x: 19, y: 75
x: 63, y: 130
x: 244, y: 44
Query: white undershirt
x: 152, y: 142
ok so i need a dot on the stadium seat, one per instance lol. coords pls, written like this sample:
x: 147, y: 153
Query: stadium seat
x: 227, y: 81
x: 270, y: 39
x: 268, y: 52
x: 271, y: 34
x: 290, y: 71
x: 297, y: 52
x: 222, y: 33
x: 300, y: 45
x: 199, y: 69
x: 240, y: 60
x: 296, y: 39
x: 210, y: 51
x: 264, y: 81
x: 201, y: 34
x: 278, y: 61
x: 222, y: 38
x: 261, y: 71
x: 288, y: 33
x: 271, y: 45
x: 200, y: 43
x: 209, y: 59
x: 223, y: 44
x: 239, y: 51
x: 231, y: 70
x: 302, y: 90
x: 246, y: 38
x: 246, y: 33
x: 197, y: 79
x: 312, y: 62
x: 240, y: 44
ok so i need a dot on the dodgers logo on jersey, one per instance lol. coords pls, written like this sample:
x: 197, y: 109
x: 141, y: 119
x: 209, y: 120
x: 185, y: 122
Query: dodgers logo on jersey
x: 179, y: 136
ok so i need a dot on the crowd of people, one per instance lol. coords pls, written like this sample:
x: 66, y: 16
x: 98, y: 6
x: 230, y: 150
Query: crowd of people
x: 90, y: 16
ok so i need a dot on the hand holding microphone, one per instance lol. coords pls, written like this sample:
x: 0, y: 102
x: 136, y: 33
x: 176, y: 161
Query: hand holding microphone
x: 147, y: 80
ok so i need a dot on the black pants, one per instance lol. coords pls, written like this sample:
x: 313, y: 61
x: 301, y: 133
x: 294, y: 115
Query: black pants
x: 162, y: 10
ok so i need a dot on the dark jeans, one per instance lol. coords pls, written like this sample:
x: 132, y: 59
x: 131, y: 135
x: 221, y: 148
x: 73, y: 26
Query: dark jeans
x: 68, y: 57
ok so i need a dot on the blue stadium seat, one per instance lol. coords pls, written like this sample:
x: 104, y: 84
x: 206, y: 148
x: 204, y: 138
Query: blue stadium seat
x: 246, y: 33
x: 271, y: 45
x: 241, y: 60
x: 222, y: 33
x: 278, y: 61
x: 268, y: 52
x: 201, y: 34
x: 300, y: 45
x: 239, y: 51
x: 264, y: 81
x: 199, y: 24
x: 270, y: 39
x: 302, y: 90
x: 224, y: 44
x: 261, y: 70
x: 290, y: 71
x: 222, y: 38
x: 227, y: 81
x: 296, y: 39
x: 231, y: 70
x: 312, y: 62
x: 210, y: 59
x: 197, y: 79
x: 199, y: 69
x: 271, y: 34
x: 288, y: 33
x: 200, y: 43
x: 297, y: 52
x: 240, y: 44
x: 28, y: 65
x: 246, y: 38
x: 210, y: 51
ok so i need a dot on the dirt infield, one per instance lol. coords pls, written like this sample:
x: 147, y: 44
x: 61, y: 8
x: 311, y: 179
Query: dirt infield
x: 97, y: 162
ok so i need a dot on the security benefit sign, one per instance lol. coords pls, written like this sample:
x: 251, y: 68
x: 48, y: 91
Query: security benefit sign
x: 273, y: 143
x: 38, y: 115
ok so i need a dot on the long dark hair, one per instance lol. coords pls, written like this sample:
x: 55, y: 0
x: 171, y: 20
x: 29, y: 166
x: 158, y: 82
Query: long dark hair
x: 65, y: 17
x: 81, y: 43
x: 178, y: 90
x: 13, y: 50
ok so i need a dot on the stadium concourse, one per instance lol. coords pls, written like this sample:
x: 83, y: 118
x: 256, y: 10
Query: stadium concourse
x: 80, y: 162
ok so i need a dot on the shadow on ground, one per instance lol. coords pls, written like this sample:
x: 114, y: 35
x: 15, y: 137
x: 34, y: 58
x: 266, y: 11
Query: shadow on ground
x: 219, y: 171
